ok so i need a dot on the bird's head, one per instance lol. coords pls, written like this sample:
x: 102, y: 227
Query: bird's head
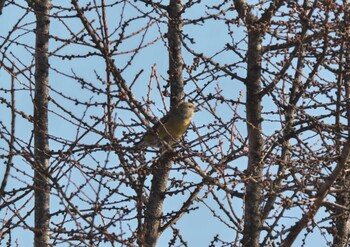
x: 187, y: 109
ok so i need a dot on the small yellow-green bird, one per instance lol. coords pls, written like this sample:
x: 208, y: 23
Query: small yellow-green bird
x: 170, y: 128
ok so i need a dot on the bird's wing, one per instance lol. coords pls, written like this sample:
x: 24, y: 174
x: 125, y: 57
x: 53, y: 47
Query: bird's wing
x: 152, y: 130
x: 161, y: 122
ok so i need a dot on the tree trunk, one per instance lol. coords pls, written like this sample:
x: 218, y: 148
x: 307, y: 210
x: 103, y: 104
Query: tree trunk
x: 252, y: 214
x: 342, y: 220
x: 175, y: 53
x: 41, y: 143
x: 154, y: 208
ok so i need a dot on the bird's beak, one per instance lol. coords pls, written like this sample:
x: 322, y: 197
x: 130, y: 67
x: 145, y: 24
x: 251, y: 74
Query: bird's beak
x: 196, y: 109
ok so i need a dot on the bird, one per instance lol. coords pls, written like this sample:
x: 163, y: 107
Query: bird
x: 169, y: 129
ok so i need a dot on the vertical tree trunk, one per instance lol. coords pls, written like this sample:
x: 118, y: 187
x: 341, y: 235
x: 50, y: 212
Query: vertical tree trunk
x: 252, y: 215
x: 41, y: 143
x: 154, y: 208
x: 175, y: 53
x: 342, y: 220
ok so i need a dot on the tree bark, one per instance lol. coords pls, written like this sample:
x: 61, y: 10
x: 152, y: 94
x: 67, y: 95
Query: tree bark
x: 41, y: 142
x: 252, y: 214
x: 175, y: 52
x: 154, y: 206
x: 342, y: 220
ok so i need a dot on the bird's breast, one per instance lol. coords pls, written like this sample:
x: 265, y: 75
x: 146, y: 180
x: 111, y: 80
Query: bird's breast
x: 176, y: 128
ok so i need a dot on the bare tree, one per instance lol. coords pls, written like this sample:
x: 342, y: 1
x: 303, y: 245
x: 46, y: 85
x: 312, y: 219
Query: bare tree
x: 264, y: 162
